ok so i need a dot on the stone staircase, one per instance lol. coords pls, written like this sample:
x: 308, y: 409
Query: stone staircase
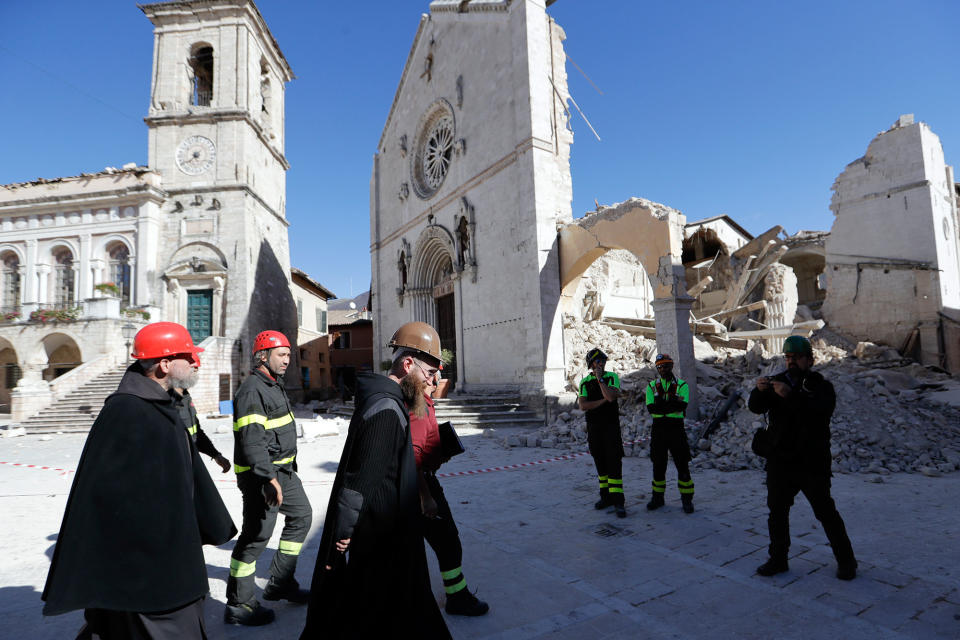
x: 479, y: 411
x: 76, y: 411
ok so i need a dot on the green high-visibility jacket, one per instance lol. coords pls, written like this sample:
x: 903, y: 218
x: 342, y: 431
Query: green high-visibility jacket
x: 667, y: 398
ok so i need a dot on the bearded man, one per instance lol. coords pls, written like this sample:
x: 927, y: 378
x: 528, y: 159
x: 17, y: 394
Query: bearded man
x: 141, y: 505
x: 371, y: 575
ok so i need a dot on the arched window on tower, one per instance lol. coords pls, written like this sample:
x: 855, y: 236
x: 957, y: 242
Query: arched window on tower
x: 120, y: 270
x: 63, y: 290
x: 10, y: 282
x: 201, y: 68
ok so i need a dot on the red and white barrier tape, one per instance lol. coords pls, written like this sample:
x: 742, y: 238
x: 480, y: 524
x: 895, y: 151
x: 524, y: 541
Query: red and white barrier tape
x: 37, y: 466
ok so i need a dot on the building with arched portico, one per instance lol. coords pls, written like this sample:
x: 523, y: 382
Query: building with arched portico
x: 193, y: 237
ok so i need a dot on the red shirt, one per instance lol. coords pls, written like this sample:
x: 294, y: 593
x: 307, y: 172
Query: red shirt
x: 425, y: 435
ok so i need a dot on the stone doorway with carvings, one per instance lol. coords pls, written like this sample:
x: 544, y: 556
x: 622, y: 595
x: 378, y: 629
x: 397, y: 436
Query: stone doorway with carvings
x: 447, y: 324
x: 434, y: 291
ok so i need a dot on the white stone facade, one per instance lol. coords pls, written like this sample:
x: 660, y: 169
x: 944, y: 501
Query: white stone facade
x: 470, y: 181
x: 201, y: 232
x: 892, y: 254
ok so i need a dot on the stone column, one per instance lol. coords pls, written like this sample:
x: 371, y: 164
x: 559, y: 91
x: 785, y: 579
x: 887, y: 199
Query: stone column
x: 29, y: 282
x: 672, y: 317
x: 84, y: 285
x: 218, y: 320
x: 43, y: 282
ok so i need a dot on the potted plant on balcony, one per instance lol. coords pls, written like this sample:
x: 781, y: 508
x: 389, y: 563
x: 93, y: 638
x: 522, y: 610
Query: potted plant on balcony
x: 108, y: 289
x: 447, y: 357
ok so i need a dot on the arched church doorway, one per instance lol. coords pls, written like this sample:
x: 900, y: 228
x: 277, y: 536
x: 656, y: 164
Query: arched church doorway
x: 434, y: 289
x: 10, y: 374
x: 63, y: 354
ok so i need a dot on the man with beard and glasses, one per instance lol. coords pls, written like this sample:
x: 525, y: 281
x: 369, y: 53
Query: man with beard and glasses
x: 371, y: 576
x: 799, y: 403
x: 188, y: 414
x: 265, y: 459
x: 141, y: 505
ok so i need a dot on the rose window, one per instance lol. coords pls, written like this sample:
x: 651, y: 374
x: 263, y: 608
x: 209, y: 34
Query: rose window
x: 434, y: 151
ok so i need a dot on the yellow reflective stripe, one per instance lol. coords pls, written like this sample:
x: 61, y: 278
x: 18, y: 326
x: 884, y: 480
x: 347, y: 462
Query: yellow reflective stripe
x: 290, y: 548
x: 615, y: 489
x: 453, y: 573
x: 456, y: 587
x: 285, y: 460
x: 278, y: 422
x: 240, y: 469
x: 240, y: 423
x: 616, y: 481
x: 242, y: 569
x: 192, y: 430
x: 666, y: 415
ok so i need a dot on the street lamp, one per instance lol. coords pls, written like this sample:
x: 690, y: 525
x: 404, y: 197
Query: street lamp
x: 128, y: 331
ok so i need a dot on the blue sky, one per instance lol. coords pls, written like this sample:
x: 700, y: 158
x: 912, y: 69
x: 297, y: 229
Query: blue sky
x: 749, y: 108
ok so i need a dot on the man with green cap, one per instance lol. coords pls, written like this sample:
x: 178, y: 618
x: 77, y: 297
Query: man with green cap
x: 799, y: 403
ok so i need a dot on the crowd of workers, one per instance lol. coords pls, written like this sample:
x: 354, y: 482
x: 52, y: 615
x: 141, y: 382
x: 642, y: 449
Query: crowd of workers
x: 142, y: 504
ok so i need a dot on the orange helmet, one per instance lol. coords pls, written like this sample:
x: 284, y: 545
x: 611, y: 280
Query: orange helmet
x: 270, y: 340
x: 162, y: 339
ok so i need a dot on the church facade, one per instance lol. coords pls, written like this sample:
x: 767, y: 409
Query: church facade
x: 198, y: 236
x: 470, y: 180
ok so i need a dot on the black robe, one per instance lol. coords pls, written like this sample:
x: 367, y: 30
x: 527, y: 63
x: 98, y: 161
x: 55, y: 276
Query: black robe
x: 382, y: 588
x: 141, y: 506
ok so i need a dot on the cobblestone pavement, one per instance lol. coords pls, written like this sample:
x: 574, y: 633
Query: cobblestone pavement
x: 552, y: 566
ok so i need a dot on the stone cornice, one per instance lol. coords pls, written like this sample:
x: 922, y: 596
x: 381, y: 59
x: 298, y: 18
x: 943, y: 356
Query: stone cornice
x: 212, y: 115
x: 466, y: 186
x: 136, y: 194
x: 230, y: 187
x: 470, y: 6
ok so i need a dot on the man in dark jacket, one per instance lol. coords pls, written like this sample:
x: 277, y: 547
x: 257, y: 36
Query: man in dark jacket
x: 141, y: 505
x: 265, y: 459
x: 382, y: 589
x: 667, y: 398
x: 799, y: 403
x: 599, y: 399
x: 188, y: 414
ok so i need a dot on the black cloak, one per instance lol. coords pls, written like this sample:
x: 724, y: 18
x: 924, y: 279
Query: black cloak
x: 141, y: 506
x: 382, y: 587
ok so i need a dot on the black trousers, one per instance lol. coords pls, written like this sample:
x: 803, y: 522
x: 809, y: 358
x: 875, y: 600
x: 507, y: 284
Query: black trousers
x: 669, y: 437
x: 183, y: 623
x: 606, y: 447
x: 443, y: 537
x: 782, y: 488
x: 259, y: 521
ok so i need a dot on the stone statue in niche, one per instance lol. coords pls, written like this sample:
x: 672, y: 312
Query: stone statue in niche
x: 459, y: 92
x: 402, y: 269
x: 463, y: 241
x: 403, y: 146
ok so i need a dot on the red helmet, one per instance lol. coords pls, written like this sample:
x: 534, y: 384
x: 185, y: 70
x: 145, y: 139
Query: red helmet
x: 162, y: 339
x: 270, y: 340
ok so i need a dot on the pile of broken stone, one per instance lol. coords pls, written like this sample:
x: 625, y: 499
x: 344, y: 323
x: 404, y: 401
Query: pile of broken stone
x: 888, y: 419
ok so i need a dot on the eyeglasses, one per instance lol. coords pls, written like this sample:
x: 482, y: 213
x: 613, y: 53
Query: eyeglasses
x: 429, y: 375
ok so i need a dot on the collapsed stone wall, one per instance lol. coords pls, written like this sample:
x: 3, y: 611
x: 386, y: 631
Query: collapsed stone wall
x: 886, y: 420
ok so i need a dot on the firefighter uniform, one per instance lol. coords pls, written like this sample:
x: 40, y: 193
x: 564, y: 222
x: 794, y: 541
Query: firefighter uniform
x: 604, y: 440
x: 265, y: 447
x: 666, y: 400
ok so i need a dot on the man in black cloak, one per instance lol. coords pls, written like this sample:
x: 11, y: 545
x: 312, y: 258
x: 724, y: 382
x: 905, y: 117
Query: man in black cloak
x: 141, y: 505
x: 371, y: 575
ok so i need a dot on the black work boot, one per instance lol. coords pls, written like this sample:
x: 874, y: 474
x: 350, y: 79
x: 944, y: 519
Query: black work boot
x: 289, y: 591
x: 687, y: 503
x: 656, y: 501
x: 250, y: 615
x: 604, y: 500
x: 772, y: 567
x: 621, y: 511
x: 464, y: 603
x: 847, y: 570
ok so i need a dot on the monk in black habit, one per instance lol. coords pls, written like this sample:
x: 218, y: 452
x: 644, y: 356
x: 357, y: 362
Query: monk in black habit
x: 380, y: 587
x: 141, y: 505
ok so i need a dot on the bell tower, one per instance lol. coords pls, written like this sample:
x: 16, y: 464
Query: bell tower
x: 216, y: 137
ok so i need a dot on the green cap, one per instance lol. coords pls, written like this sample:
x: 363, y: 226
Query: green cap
x: 798, y: 345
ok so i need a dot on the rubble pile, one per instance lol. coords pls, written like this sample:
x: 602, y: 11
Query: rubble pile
x: 886, y: 420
